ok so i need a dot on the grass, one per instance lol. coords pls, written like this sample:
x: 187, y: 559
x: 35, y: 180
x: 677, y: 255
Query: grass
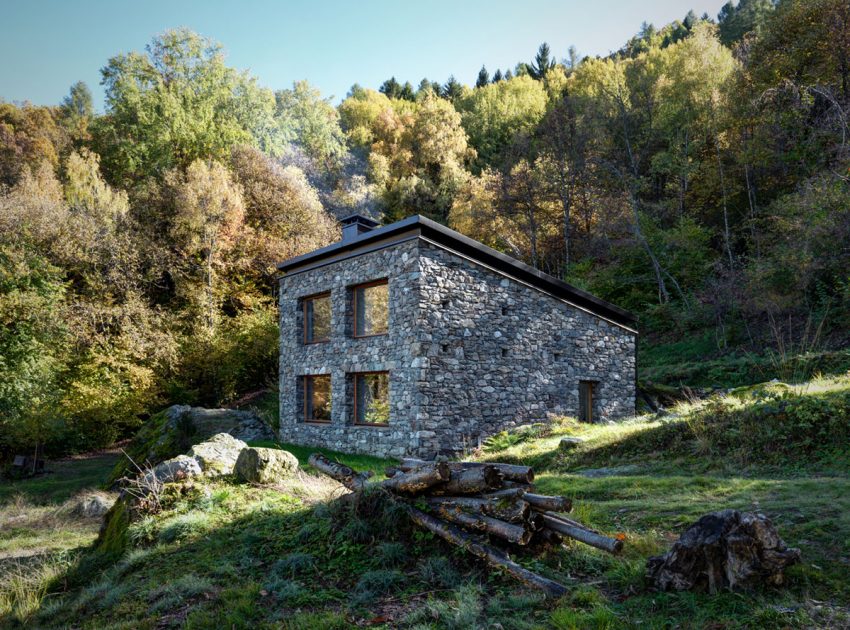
x: 223, y: 554
x: 41, y: 535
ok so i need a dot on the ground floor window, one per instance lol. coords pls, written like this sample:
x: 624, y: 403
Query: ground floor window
x: 372, y: 398
x: 317, y: 398
x: 585, y: 400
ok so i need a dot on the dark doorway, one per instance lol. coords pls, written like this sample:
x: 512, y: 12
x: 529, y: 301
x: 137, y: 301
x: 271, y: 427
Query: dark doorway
x: 585, y: 400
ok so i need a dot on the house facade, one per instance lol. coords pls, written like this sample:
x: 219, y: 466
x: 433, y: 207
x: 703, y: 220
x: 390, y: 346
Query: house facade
x: 414, y: 340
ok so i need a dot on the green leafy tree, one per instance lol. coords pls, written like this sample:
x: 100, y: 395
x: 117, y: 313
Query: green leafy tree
x: 311, y: 122
x: 209, y: 215
x: 193, y: 106
x: 495, y: 113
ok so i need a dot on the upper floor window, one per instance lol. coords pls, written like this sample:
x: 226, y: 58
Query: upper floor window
x: 372, y: 398
x: 317, y: 318
x: 371, y: 309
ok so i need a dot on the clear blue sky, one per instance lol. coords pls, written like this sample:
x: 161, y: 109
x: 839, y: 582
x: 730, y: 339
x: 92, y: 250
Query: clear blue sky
x: 47, y: 46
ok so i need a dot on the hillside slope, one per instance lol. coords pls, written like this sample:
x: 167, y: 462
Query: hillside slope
x: 224, y: 554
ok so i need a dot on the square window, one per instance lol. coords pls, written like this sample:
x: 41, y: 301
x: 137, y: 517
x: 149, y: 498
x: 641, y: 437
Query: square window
x: 372, y: 398
x: 371, y: 309
x: 317, y: 398
x: 317, y: 318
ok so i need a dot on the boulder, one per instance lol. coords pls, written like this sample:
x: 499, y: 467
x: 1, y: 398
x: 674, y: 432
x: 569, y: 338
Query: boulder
x: 265, y: 465
x: 174, y: 469
x: 569, y: 443
x: 93, y: 505
x: 723, y: 550
x: 217, y: 455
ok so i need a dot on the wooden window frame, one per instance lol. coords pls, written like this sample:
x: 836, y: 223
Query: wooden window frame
x: 304, y: 380
x: 354, y: 376
x: 366, y: 285
x: 304, y: 301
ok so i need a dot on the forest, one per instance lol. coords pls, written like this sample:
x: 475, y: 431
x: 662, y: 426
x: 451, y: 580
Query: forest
x: 698, y: 176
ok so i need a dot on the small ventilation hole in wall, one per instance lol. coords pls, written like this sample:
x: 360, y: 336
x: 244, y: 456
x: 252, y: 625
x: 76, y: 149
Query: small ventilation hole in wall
x: 445, y: 303
x: 504, y: 310
x: 444, y: 347
x: 504, y: 352
x: 556, y: 356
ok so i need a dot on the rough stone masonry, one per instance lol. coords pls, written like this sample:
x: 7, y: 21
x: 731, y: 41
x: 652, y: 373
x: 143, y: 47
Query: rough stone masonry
x: 476, y: 343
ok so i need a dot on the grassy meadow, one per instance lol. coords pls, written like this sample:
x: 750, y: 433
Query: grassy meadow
x: 225, y: 554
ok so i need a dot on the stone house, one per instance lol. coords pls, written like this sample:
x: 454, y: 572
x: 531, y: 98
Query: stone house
x: 414, y: 340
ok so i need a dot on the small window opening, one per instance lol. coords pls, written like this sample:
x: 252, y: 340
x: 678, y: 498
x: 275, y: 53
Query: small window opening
x: 445, y: 303
x: 505, y: 352
x: 504, y: 310
x: 556, y: 356
x: 444, y: 348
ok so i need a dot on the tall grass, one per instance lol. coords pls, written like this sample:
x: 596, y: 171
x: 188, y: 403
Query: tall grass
x: 25, y: 584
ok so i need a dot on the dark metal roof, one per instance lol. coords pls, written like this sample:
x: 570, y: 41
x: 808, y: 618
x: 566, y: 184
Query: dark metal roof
x: 419, y: 226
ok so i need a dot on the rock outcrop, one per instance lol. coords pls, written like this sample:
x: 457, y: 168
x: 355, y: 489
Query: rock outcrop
x: 265, y: 465
x: 176, y: 429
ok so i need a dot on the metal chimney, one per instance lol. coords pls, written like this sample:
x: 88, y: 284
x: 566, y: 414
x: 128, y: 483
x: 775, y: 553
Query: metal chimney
x: 354, y: 225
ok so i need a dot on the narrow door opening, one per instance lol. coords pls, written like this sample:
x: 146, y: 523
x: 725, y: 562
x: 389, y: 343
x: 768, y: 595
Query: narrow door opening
x: 585, y: 400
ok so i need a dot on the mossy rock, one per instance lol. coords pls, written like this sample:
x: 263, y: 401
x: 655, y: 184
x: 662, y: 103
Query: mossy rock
x: 176, y: 429
x: 265, y: 465
x: 113, y: 537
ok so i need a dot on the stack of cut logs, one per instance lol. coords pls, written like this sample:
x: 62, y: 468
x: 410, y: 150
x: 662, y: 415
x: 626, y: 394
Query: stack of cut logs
x: 493, y: 499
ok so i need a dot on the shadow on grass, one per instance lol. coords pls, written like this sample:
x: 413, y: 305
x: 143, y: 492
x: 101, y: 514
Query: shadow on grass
x: 63, y: 479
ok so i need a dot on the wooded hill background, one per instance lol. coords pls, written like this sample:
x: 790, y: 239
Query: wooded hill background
x: 699, y: 176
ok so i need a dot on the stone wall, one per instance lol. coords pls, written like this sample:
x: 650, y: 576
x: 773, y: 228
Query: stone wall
x: 344, y: 354
x: 498, y: 353
x: 469, y: 351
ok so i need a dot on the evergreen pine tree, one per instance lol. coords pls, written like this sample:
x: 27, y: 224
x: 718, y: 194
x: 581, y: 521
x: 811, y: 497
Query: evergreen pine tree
x: 483, y: 77
x: 406, y: 92
x: 452, y: 90
x: 391, y: 88
x: 542, y: 63
x: 497, y: 76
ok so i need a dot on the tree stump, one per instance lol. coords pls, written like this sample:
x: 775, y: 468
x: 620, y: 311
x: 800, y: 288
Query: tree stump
x: 723, y: 550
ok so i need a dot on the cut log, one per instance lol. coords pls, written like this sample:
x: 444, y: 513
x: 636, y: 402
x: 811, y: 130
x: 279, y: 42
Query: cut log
x: 579, y: 532
x: 511, y: 510
x: 495, y: 557
x: 348, y: 477
x: 516, y: 534
x: 419, y: 479
x: 472, y: 481
x: 548, y: 504
x: 510, y: 472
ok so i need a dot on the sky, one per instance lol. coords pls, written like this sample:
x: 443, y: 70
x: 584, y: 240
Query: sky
x: 49, y: 45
